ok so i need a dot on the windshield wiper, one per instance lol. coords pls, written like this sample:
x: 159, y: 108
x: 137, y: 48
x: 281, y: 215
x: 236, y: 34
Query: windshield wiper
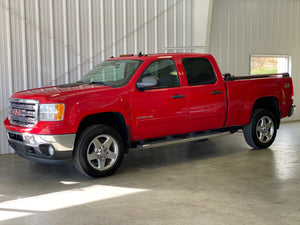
x: 80, y: 82
x: 99, y: 82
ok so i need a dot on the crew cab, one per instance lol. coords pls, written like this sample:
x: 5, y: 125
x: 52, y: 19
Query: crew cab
x: 141, y: 101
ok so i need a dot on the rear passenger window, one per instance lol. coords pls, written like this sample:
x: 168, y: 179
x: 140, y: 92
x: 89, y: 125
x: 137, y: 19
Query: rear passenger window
x: 198, y: 71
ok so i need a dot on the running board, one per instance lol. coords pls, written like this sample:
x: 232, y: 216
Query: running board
x: 171, y: 140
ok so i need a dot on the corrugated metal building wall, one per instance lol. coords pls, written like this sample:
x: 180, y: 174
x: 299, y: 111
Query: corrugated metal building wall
x: 266, y: 27
x: 56, y: 41
x: 52, y: 42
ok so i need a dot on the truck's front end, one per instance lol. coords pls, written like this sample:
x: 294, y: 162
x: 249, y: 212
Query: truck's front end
x: 24, y: 135
x: 43, y: 123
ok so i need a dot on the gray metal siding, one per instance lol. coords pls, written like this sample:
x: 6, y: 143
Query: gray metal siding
x: 52, y: 42
x: 243, y: 27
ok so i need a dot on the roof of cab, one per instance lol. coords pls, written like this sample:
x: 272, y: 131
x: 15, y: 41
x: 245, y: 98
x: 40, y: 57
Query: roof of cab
x: 158, y: 56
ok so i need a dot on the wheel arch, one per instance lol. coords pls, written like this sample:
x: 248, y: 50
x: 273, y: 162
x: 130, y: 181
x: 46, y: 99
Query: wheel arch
x: 113, y: 119
x: 271, y: 104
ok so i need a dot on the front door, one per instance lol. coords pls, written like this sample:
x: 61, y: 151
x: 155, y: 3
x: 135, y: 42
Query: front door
x: 159, y: 110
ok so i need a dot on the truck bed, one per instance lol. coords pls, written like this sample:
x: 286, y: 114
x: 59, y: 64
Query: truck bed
x: 243, y: 91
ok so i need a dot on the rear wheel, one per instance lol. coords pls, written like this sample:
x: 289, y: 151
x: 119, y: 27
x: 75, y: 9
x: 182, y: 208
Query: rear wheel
x: 262, y: 129
x: 99, y: 151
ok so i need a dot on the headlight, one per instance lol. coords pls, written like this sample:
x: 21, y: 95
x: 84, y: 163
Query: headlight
x: 52, y: 112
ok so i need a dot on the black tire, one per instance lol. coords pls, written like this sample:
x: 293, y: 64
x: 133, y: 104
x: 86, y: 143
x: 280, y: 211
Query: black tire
x: 99, y: 151
x: 262, y: 129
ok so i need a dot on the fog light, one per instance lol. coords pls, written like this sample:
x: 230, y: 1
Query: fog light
x: 51, y: 150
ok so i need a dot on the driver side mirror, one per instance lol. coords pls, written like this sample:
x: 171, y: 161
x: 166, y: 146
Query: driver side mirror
x: 147, y: 82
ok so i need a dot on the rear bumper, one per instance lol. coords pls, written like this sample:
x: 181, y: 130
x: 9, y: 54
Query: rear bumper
x: 42, y: 148
x: 292, y: 110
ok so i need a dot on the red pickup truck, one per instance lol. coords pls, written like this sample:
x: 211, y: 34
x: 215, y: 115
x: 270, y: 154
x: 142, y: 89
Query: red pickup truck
x: 141, y: 101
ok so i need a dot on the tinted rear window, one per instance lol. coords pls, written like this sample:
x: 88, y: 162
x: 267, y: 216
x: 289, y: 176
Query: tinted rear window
x: 199, y: 71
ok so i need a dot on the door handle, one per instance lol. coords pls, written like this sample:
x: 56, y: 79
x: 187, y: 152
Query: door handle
x: 177, y: 96
x: 216, y: 92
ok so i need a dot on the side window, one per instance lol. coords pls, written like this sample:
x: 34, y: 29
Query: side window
x: 164, y: 71
x: 198, y: 71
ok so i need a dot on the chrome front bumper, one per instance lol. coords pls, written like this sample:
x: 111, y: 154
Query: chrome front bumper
x: 42, y: 148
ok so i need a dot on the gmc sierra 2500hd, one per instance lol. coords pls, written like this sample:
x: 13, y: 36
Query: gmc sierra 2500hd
x: 141, y: 101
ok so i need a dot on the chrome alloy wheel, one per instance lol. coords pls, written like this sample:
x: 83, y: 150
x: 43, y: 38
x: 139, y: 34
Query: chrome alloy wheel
x: 102, y: 152
x: 265, y: 129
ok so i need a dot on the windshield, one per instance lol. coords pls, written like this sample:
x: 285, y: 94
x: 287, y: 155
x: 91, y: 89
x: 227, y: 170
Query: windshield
x: 114, y: 73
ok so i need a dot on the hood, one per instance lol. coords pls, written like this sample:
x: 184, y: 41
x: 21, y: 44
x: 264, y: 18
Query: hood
x: 59, y: 93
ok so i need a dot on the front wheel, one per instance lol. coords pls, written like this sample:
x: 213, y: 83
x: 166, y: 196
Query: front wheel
x: 99, y: 151
x: 262, y: 129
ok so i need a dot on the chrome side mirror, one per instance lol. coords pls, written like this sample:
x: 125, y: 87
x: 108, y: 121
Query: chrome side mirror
x: 147, y: 82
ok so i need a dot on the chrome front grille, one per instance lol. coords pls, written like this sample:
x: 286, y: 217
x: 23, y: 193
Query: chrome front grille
x: 23, y: 112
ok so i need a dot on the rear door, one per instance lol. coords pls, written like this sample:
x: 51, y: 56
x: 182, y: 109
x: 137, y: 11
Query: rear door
x: 160, y: 110
x: 206, y: 95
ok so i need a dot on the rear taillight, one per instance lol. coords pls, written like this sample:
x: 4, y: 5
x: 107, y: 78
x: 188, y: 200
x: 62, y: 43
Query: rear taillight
x: 292, y: 90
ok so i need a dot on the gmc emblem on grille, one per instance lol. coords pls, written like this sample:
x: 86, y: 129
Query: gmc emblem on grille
x: 18, y: 112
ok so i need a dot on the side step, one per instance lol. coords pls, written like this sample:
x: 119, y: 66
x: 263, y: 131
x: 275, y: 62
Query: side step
x: 178, y: 140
